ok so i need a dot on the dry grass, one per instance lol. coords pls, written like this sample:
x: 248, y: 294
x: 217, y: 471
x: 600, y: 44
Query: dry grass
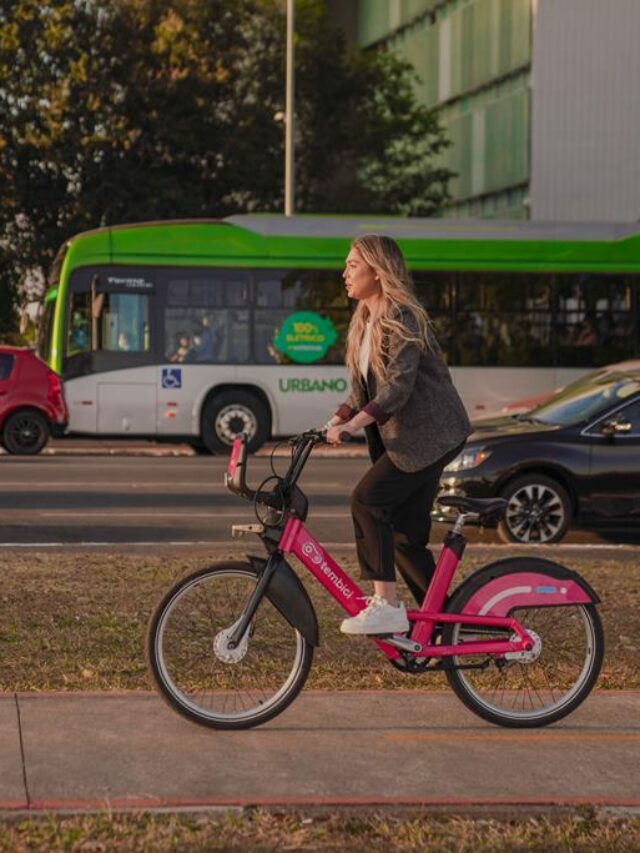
x: 77, y: 621
x: 269, y: 831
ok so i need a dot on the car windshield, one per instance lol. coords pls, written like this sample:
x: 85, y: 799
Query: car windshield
x: 585, y: 400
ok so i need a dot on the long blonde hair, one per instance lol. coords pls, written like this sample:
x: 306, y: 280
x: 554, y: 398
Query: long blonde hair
x: 385, y: 258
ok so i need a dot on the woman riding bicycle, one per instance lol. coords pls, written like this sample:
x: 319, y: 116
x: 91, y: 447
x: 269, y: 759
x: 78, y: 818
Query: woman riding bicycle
x: 414, y: 421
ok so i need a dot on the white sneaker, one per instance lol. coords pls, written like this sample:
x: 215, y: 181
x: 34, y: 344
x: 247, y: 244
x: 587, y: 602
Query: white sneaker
x: 378, y: 617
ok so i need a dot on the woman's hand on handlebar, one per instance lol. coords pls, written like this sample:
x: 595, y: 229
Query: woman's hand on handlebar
x: 335, y: 433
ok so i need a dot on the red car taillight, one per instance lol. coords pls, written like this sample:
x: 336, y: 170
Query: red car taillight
x: 55, y: 395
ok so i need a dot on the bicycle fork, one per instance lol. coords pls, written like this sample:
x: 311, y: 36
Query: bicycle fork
x: 249, y: 610
x: 279, y: 583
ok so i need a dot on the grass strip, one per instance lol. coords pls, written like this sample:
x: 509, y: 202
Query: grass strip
x: 268, y: 831
x: 77, y: 622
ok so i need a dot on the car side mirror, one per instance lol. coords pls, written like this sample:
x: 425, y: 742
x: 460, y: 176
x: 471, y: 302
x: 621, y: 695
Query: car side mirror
x: 614, y: 427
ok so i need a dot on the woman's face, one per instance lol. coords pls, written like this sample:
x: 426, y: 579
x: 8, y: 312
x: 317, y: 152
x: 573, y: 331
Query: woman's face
x: 360, y: 279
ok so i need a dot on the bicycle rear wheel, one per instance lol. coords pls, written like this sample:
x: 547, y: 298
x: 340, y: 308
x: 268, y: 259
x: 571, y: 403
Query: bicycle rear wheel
x: 531, y: 689
x: 203, y: 679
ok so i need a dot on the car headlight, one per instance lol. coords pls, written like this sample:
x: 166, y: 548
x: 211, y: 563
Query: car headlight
x: 469, y: 458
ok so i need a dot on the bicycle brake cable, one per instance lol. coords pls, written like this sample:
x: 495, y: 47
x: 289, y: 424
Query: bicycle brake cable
x: 272, y: 457
x: 256, y: 503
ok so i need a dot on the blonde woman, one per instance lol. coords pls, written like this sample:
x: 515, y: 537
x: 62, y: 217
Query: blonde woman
x: 414, y: 421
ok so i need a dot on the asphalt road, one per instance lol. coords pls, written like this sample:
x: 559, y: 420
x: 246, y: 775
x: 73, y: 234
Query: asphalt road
x: 124, y: 501
x: 140, y: 500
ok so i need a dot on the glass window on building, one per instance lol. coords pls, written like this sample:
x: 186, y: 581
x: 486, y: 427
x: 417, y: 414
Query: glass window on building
x: 206, y: 317
x: 300, y: 317
x: 504, y: 320
x: 595, y: 319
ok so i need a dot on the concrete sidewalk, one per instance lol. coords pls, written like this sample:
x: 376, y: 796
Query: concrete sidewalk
x: 82, y: 751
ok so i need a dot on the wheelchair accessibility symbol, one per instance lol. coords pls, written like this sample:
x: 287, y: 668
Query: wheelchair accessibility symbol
x: 171, y: 377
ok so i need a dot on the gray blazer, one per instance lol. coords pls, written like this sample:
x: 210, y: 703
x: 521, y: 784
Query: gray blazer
x: 417, y: 409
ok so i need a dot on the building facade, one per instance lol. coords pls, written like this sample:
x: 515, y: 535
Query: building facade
x: 539, y: 98
x: 473, y: 60
x: 585, y: 141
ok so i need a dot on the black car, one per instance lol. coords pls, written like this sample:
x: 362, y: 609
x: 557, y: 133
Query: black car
x: 574, y: 460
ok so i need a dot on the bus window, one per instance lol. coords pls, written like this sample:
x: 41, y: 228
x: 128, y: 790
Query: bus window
x: 504, y: 319
x: 79, y: 338
x: 596, y: 319
x: 124, y: 323
x: 435, y: 291
x: 121, y: 324
x: 206, y: 317
x: 281, y: 295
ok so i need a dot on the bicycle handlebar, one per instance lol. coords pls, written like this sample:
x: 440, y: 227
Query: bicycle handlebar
x: 236, y: 473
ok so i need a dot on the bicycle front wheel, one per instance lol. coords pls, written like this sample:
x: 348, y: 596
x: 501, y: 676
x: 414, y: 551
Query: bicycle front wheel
x: 530, y: 689
x: 203, y: 679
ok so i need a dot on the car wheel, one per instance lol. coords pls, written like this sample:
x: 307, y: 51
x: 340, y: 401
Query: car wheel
x: 538, y: 510
x: 25, y: 432
x: 228, y: 414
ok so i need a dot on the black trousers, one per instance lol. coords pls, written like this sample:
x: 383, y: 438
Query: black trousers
x: 391, y: 518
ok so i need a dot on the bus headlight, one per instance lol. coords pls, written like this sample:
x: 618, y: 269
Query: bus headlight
x: 470, y: 457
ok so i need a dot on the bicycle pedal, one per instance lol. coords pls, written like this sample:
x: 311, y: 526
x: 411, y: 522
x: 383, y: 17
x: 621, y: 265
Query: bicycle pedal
x: 239, y: 530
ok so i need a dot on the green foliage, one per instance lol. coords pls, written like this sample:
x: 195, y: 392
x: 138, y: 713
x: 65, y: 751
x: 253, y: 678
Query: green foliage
x: 129, y: 110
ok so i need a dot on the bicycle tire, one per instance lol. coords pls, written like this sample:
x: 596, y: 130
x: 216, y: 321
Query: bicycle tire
x: 184, y: 651
x: 531, y: 681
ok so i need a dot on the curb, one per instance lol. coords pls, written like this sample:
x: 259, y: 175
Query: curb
x: 603, y: 808
x: 279, y: 450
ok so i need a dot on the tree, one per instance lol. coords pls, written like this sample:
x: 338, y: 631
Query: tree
x: 127, y: 110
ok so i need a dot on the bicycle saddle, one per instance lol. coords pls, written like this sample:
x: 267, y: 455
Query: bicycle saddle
x: 495, y: 507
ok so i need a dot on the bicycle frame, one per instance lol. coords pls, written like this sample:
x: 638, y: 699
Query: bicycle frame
x: 498, y: 596
x: 297, y: 540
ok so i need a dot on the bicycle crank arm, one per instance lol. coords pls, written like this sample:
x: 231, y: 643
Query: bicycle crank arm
x: 402, y: 643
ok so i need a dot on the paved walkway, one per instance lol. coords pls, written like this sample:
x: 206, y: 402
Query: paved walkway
x: 77, y: 751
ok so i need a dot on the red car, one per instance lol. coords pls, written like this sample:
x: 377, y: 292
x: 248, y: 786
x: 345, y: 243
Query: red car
x: 32, y: 404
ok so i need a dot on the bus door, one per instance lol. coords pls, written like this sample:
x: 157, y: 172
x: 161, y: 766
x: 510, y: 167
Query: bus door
x: 108, y: 368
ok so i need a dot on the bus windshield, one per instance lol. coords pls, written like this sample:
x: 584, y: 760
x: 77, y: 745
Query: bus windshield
x: 45, y: 330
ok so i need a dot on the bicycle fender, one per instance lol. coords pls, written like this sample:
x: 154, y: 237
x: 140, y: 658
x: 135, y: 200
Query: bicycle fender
x: 514, y: 582
x: 290, y: 598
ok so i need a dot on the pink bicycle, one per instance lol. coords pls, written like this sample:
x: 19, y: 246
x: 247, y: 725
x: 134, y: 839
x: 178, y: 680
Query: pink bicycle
x: 230, y: 646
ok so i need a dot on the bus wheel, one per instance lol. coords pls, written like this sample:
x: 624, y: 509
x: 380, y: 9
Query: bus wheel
x: 230, y: 413
x: 25, y: 432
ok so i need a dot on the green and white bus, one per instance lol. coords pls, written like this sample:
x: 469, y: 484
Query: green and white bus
x: 200, y: 329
